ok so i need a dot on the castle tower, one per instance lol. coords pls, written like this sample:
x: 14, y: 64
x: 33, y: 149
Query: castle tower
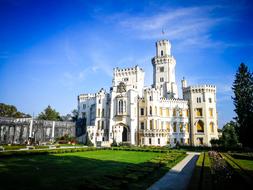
x: 164, y: 70
x: 203, y: 114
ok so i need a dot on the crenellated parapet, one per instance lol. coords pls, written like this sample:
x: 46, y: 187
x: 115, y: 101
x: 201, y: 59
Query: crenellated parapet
x: 126, y: 71
x: 200, y: 89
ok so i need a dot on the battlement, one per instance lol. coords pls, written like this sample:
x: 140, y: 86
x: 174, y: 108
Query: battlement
x: 127, y: 71
x: 164, y: 59
x: 86, y: 96
x: 200, y: 88
x: 178, y: 101
x: 162, y: 42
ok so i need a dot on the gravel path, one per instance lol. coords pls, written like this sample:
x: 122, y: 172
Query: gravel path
x: 179, y: 176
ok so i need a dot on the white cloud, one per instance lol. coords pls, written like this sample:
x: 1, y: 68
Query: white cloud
x: 189, y: 26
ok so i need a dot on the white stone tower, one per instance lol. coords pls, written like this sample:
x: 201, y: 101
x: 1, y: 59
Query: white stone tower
x: 203, y: 114
x: 164, y: 70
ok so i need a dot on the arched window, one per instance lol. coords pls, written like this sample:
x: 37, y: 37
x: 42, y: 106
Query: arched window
x: 187, y: 127
x: 150, y: 110
x: 181, y: 127
x: 124, y: 107
x: 150, y: 124
x: 120, y: 106
x: 103, y: 112
x: 200, y: 126
x: 150, y: 98
x: 174, y: 112
x: 162, y: 53
x: 168, y: 126
x: 175, y: 127
x: 211, y: 127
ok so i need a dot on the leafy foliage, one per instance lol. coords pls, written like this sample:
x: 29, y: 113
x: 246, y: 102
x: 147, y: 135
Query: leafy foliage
x: 11, y: 111
x: 49, y: 114
x: 243, y: 101
x: 229, y: 137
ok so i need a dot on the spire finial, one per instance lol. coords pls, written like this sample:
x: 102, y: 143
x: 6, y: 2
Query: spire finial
x: 163, y: 32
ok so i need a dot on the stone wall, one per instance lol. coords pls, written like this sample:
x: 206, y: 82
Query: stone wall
x: 19, y: 130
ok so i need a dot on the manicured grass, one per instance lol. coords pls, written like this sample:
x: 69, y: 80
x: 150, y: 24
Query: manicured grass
x: 119, y: 156
x: 245, y: 164
x: 101, y: 169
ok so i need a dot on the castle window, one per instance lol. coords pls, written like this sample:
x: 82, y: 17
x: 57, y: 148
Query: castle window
x: 150, y: 110
x: 168, y: 126
x: 102, y: 124
x: 150, y: 124
x: 210, y: 100
x: 98, y: 112
x: 161, y: 69
x: 199, y: 112
x: 162, y: 53
x: 182, y: 141
x: 175, y: 127
x: 181, y: 127
x: 158, y: 140
x: 103, y: 112
x: 187, y: 127
x: 187, y: 113
x: 150, y: 98
x: 124, y: 107
x: 84, y: 106
x: 161, y: 79
x: 161, y: 112
x: 175, y: 141
x: 200, y: 126
x: 149, y: 140
x: 211, y: 112
x: 174, y: 112
x: 98, y: 124
x: 181, y: 113
x: 198, y: 100
x: 142, y: 111
x: 120, y: 106
x: 125, y: 79
x: 212, y: 127
x: 142, y: 125
x: 99, y: 101
x: 162, y: 125
x: 167, y: 112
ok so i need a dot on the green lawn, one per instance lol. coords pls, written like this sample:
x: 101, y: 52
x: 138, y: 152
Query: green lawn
x: 245, y: 164
x: 102, y: 169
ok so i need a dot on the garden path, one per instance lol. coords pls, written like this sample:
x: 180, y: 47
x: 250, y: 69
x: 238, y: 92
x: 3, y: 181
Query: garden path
x: 179, y: 176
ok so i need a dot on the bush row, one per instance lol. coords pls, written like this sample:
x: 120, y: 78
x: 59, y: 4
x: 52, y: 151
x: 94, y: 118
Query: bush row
x: 46, y: 151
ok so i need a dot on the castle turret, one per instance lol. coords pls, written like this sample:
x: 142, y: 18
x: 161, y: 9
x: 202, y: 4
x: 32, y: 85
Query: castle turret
x: 202, y: 104
x: 164, y: 70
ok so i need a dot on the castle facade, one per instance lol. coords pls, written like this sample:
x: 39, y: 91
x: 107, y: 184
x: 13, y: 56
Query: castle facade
x: 154, y: 115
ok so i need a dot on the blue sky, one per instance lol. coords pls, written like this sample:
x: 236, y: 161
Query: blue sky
x: 53, y: 50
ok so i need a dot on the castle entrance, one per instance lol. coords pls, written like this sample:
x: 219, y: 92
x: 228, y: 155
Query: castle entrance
x: 124, y: 134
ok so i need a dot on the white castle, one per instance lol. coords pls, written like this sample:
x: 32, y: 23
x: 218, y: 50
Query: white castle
x: 154, y: 115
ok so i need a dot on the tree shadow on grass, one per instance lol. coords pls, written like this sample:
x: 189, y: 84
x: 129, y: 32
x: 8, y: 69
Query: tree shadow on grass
x: 74, y: 172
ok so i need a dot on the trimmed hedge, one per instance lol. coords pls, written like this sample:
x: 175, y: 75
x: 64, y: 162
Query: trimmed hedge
x: 46, y: 151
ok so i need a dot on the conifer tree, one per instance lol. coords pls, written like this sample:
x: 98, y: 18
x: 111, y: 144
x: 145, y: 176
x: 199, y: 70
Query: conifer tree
x: 243, y: 101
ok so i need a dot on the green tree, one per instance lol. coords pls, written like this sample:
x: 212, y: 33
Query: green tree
x: 49, y: 114
x: 74, y: 115
x: 229, y: 137
x: 243, y: 101
x: 11, y: 111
